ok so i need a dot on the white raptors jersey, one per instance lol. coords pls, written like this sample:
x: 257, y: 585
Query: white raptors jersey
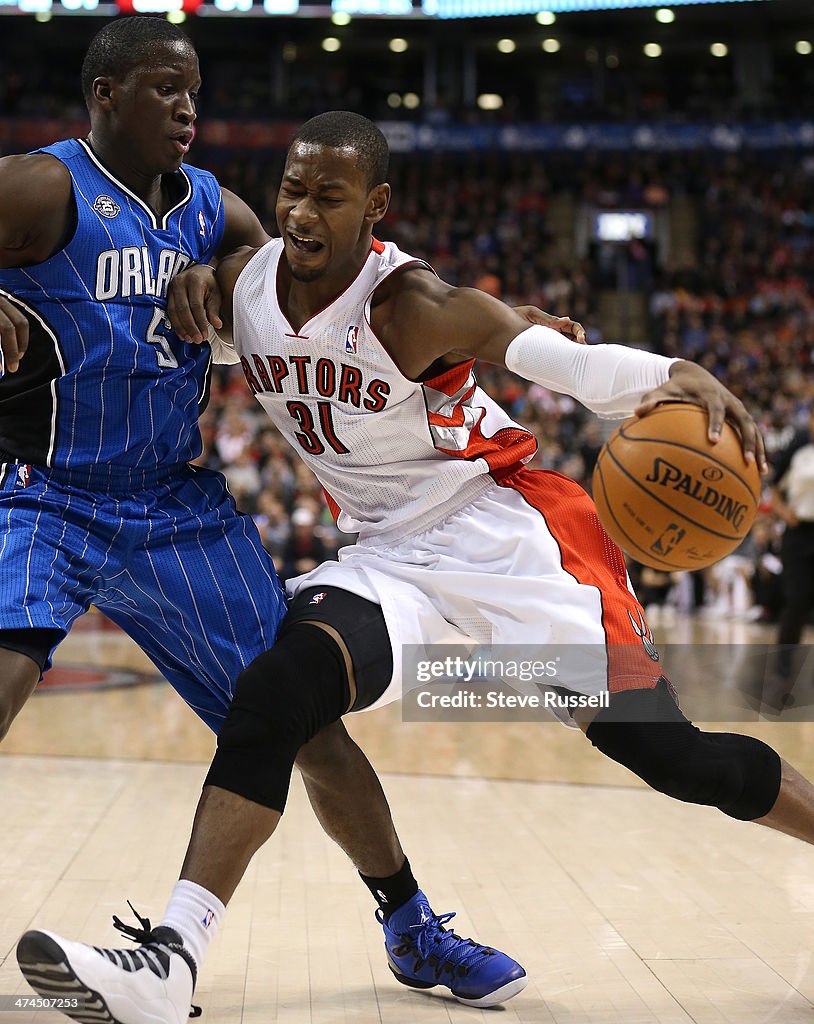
x: 393, y: 455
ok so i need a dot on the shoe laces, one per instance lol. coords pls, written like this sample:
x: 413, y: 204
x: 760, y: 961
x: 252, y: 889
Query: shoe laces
x: 144, y: 937
x: 436, y: 943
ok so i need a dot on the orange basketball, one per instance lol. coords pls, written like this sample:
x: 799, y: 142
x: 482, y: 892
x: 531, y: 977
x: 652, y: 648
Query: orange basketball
x: 668, y: 497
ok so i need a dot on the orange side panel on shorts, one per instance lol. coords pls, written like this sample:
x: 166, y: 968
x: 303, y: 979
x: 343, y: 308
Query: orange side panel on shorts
x: 592, y: 558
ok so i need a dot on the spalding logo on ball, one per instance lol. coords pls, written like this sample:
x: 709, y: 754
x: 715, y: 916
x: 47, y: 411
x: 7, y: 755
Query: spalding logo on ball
x: 670, y: 498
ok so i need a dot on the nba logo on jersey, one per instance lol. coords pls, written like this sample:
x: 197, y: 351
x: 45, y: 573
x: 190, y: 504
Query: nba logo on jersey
x: 318, y: 598
x: 23, y: 476
x: 202, y: 223
x: 107, y: 207
x: 352, y: 340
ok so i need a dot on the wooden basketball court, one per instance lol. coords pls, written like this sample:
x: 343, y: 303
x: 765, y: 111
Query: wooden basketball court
x: 624, y: 907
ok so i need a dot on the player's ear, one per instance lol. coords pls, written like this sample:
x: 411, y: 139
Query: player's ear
x: 377, y: 203
x: 102, y: 91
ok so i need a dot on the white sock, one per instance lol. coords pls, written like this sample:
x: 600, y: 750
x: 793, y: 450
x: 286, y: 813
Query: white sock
x: 195, y: 914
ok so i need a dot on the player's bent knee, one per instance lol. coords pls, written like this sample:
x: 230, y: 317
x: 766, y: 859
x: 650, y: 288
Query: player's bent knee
x: 740, y: 775
x: 329, y: 748
x: 282, y: 700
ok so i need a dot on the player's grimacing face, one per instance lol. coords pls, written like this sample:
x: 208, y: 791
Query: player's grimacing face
x: 156, y: 108
x: 321, y: 208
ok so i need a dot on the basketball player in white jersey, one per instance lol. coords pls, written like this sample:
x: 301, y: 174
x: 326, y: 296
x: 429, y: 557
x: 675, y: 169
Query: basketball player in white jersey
x: 363, y: 359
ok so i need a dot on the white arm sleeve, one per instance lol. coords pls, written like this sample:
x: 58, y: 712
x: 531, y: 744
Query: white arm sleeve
x: 223, y: 352
x: 609, y: 379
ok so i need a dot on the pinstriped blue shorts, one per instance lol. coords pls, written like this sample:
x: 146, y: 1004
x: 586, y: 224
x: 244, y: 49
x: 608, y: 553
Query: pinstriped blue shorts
x: 167, y: 556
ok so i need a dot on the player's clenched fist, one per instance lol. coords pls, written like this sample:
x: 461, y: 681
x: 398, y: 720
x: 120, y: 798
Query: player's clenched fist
x: 13, y: 335
x: 193, y: 303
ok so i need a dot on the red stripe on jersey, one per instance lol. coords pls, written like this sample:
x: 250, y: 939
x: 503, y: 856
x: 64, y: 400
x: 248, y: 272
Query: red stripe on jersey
x: 457, y: 417
x: 505, y: 452
x: 591, y: 557
x: 334, y: 509
x: 451, y: 380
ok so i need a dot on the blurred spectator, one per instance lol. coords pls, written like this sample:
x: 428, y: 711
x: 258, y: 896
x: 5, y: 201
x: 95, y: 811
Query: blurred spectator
x: 653, y: 590
x: 243, y: 479
x: 794, y: 503
x: 767, y: 568
x: 233, y: 436
x: 304, y: 550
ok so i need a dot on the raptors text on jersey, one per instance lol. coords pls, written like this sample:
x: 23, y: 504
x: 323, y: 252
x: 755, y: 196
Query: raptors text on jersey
x: 392, y: 454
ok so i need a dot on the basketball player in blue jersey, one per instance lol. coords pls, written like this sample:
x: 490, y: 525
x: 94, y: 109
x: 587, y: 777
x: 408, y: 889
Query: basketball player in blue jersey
x: 522, y: 555
x: 99, y: 412
x: 99, y: 403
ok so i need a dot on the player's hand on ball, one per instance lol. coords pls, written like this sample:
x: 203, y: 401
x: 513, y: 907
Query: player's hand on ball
x: 564, y: 324
x: 193, y: 303
x: 13, y: 335
x: 690, y: 382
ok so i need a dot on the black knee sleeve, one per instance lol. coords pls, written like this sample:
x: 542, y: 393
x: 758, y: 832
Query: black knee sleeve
x: 645, y: 731
x: 363, y: 629
x: 281, y: 701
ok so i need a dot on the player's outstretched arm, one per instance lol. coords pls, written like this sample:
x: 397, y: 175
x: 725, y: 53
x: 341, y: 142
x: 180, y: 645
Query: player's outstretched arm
x: 35, y: 207
x: 425, y: 319
x: 194, y: 297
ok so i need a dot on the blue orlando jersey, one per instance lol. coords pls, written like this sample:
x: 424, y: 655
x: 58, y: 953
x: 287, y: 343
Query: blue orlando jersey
x: 105, y: 379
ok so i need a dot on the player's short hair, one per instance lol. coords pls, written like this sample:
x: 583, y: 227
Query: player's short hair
x: 342, y: 129
x: 125, y: 44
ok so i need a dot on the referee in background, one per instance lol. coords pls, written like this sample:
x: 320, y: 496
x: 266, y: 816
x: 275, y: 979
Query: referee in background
x: 793, y: 492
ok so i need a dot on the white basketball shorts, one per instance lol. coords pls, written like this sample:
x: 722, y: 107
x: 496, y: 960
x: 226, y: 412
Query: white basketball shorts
x: 526, y: 563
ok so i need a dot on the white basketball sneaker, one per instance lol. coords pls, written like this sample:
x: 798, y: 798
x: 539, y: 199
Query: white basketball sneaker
x: 150, y: 984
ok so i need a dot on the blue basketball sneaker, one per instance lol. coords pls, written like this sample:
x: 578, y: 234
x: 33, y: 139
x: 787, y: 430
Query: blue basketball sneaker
x: 422, y: 953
